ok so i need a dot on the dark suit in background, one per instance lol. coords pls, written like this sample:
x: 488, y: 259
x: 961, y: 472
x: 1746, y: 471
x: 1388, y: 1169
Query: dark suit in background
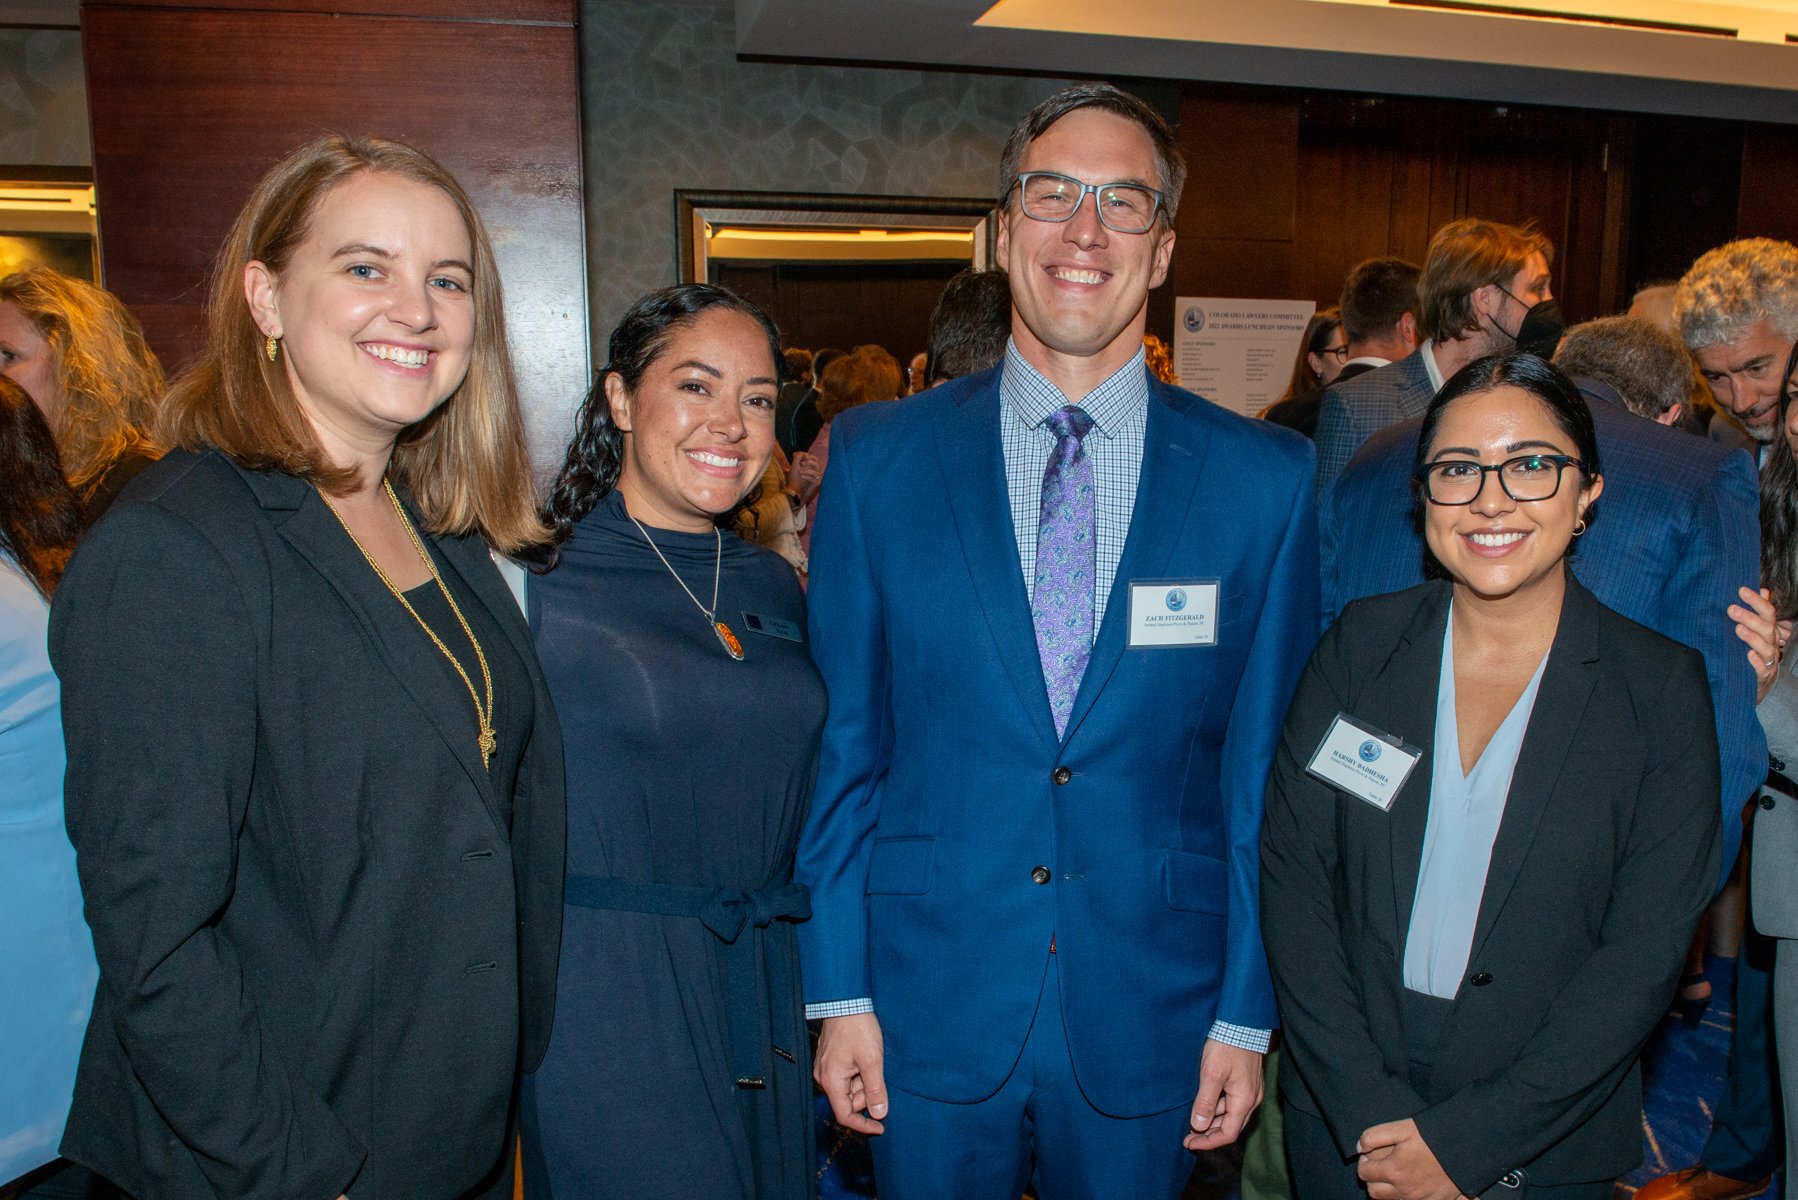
x: 327, y: 933
x: 1356, y: 409
x: 1605, y: 858
x: 1675, y: 534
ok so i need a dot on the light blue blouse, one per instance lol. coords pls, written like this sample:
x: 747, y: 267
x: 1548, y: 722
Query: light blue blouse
x: 1465, y: 811
x: 46, y: 953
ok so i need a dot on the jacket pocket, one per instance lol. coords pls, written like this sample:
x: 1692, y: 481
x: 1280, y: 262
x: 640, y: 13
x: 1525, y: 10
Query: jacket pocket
x: 1196, y: 883
x: 902, y: 866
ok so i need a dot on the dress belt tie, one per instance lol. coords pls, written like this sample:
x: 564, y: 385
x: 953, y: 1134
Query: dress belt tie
x: 726, y: 912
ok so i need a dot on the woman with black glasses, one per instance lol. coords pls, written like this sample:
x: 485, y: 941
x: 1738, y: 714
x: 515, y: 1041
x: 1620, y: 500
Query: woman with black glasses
x: 1490, y: 832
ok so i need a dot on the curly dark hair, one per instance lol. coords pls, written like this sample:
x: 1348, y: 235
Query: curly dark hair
x: 596, y: 453
x: 41, y: 517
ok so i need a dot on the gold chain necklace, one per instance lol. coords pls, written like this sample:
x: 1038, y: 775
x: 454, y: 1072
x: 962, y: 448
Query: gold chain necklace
x: 483, y: 717
x: 726, y: 638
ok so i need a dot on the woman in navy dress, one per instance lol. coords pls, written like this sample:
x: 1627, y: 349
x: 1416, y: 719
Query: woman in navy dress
x: 676, y: 654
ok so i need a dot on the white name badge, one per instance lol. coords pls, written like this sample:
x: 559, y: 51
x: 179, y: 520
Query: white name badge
x: 1173, y: 612
x: 1363, y: 762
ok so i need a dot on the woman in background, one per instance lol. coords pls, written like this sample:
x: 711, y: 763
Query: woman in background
x: 867, y: 375
x: 315, y: 779
x: 43, y: 940
x: 81, y: 356
x: 1322, y: 351
x: 677, y: 655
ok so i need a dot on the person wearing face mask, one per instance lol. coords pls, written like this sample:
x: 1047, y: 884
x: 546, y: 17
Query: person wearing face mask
x: 1491, y: 829
x: 1485, y: 289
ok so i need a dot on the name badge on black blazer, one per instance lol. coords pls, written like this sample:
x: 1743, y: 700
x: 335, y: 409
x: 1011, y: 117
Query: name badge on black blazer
x: 1362, y: 761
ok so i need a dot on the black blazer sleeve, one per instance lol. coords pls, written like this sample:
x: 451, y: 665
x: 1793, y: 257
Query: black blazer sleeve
x: 1663, y: 878
x: 154, y: 643
x: 1302, y: 920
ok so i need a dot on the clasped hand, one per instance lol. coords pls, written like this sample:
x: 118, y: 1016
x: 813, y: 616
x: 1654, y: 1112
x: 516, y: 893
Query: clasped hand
x: 1396, y: 1163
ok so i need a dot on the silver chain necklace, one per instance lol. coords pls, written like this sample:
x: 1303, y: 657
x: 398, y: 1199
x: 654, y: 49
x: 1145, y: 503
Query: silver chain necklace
x: 726, y: 638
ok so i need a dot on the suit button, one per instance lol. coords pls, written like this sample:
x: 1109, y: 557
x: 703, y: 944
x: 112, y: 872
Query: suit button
x: 1766, y: 800
x: 1039, y: 874
x: 1061, y: 775
x: 1482, y: 979
x: 1778, y: 764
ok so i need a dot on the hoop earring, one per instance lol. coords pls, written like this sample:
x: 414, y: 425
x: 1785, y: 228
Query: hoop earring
x: 271, y: 346
x: 1579, y: 527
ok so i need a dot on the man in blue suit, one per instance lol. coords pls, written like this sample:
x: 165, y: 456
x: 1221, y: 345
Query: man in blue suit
x: 1677, y: 533
x: 1060, y: 609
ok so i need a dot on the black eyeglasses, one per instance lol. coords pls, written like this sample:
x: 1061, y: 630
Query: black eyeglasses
x: 1339, y: 353
x: 1122, y: 207
x: 1524, y: 478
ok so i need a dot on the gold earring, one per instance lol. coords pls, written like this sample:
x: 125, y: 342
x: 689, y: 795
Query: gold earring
x: 1579, y: 527
x: 271, y: 346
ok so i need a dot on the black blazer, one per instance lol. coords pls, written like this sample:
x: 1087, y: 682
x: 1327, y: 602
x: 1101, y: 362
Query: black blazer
x: 327, y: 946
x: 1605, y: 857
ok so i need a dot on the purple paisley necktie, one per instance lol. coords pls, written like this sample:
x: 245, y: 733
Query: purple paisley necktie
x: 1062, y: 603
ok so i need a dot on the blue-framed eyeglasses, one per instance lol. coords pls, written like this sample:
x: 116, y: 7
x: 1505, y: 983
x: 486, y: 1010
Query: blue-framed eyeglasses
x: 1122, y: 207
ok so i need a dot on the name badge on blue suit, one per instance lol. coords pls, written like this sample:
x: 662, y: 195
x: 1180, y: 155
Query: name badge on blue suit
x: 1173, y: 612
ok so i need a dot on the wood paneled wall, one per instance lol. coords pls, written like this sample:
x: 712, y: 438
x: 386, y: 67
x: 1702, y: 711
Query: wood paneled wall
x: 1287, y: 190
x: 192, y: 100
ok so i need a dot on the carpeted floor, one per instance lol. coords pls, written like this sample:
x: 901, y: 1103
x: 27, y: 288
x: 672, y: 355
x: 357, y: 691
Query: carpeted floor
x: 1683, y: 1075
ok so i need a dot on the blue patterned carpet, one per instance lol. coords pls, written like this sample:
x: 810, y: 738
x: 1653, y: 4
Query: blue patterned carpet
x: 1683, y: 1073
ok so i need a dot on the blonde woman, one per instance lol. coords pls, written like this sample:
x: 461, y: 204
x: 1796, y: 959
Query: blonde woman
x: 315, y: 778
x: 81, y: 357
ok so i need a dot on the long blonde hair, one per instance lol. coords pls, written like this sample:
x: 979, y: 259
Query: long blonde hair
x: 111, y: 381
x: 466, y: 464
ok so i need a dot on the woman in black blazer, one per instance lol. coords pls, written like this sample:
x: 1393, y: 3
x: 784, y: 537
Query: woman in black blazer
x: 315, y: 779
x: 1469, y: 955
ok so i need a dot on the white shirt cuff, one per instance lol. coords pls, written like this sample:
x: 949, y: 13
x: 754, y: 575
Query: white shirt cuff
x: 1240, y: 1036
x: 838, y: 1008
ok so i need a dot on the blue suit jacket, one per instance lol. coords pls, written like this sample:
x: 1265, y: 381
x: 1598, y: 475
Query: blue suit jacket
x: 1676, y: 532
x: 938, y: 786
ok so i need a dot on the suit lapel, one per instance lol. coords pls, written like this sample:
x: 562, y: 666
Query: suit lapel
x: 1173, y: 456
x: 1567, y: 684
x: 316, y: 535
x: 974, y: 476
x: 1410, y: 682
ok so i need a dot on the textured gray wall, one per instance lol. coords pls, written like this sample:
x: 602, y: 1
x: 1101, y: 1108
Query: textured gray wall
x: 666, y: 106
x: 43, y: 99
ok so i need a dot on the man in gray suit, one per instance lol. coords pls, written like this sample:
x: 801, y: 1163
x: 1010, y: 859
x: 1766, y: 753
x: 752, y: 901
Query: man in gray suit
x: 1485, y: 289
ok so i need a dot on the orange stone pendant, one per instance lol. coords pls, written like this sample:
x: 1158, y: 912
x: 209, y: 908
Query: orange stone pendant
x: 728, y: 640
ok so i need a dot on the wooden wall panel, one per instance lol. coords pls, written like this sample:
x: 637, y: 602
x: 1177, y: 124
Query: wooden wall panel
x: 845, y: 305
x: 1237, y: 218
x: 556, y: 12
x: 1378, y: 176
x: 1769, y: 201
x: 190, y: 107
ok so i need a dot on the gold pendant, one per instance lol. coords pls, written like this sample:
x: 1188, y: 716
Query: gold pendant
x: 488, y: 743
x: 728, y: 640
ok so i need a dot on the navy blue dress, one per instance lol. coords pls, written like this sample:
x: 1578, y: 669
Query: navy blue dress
x: 679, y: 1065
